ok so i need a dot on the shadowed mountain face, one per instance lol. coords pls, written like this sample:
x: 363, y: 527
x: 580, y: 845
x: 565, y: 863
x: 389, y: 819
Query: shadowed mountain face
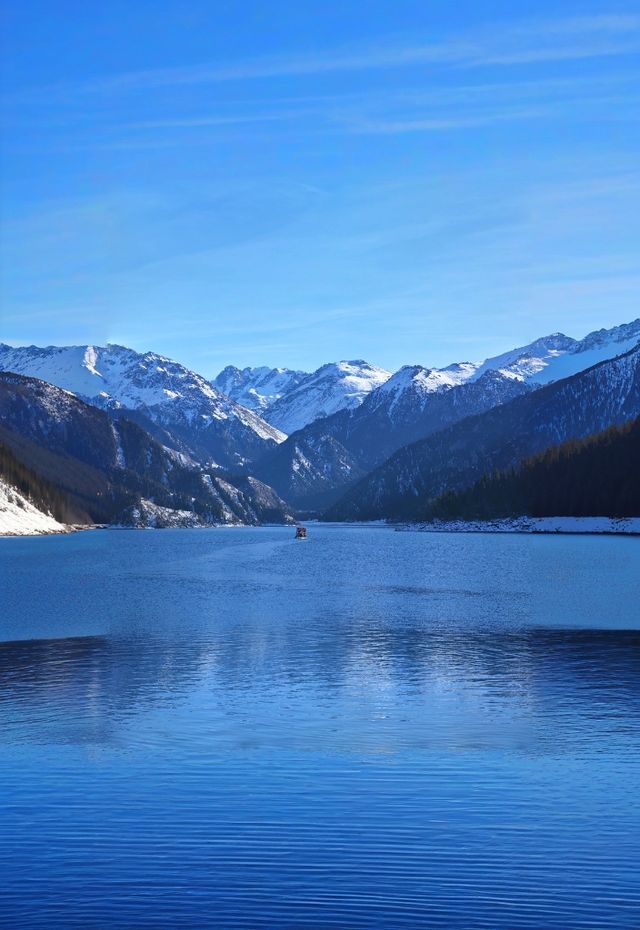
x: 106, y: 465
x: 456, y: 457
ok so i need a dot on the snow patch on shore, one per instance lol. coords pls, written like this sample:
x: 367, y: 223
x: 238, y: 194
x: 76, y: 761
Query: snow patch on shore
x: 19, y: 517
x: 604, y: 525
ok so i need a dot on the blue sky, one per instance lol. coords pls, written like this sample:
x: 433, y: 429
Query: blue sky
x: 292, y: 183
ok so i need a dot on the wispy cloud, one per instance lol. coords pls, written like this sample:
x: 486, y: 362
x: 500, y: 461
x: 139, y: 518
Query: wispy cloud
x: 524, y: 43
x: 465, y: 106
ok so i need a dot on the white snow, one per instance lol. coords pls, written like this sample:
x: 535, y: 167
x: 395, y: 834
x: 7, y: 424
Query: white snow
x: 153, y: 516
x: 555, y: 357
x: 18, y: 516
x: 120, y: 459
x: 116, y: 376
x: 419, y: 382
x: 333, y: 387
x: 562, y: 366
x: 549, y: 358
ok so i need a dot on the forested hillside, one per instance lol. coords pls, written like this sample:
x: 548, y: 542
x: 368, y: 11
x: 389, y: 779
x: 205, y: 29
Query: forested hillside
x: 596, y: 476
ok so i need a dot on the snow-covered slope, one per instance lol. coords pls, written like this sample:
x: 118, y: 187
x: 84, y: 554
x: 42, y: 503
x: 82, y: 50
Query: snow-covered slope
x: 597, y: 347
x: 333, y: 387
x: 326, y: 455
x: 19, y: 517
x: 540, y: 353
x: 318, y: 462
x: 409, y: 389
x: 547, y: 359
x: 557, y: 356
x: 257, y: 389
x: 167, y: 393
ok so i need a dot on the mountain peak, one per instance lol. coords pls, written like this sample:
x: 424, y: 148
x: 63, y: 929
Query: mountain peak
x: 166, y: 392
x: 333, y: 387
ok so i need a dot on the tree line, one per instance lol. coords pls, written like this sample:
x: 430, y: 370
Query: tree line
x: 595, y: 476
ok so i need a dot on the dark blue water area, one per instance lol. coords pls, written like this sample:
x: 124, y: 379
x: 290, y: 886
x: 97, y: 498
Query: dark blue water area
x: 368, y: 729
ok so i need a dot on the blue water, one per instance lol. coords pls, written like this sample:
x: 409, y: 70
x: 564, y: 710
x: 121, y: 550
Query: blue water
x: 369, y: 729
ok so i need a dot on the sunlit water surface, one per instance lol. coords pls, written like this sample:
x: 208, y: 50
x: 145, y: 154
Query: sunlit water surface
x: 369, y: 729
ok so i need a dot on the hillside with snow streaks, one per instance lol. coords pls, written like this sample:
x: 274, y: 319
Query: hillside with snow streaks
x: 333, y: 387
x: 198, y: 418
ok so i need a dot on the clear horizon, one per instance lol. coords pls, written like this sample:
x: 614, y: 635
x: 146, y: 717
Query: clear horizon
x: 298, y: 186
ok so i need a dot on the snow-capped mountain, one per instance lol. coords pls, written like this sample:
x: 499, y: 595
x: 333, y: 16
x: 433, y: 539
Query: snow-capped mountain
x: 556, y: 356
x: 192, y: 413
x: 344, y: 419
x: 453, y: 458
x: 541, y: 353
x: 595, y: 348
x: 333, y: 387
x: 547, y: 359
x: 320, y: 461
x: 112, y: 469
x: 257, y: 389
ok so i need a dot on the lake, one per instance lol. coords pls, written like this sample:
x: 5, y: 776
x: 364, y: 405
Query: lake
x: 368, y: 729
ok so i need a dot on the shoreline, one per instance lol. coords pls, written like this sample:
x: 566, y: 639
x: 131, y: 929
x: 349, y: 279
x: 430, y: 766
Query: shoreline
x: 542, y: 526
x: 532, y: 526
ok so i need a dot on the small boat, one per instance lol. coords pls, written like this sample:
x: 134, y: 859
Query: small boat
x: 301, y: 532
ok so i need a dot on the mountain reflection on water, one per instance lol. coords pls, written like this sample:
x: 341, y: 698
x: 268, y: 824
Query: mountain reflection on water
x: 442, y: 688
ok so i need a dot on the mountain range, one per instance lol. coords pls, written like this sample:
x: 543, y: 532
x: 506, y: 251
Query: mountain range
x: 139, y: 438
x: 454, y: 458
x: 315, y: 466
x: 291, y: 400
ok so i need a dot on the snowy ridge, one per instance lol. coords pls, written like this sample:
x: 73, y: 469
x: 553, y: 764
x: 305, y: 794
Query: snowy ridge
x: 257, y: 389
x: 115, y: 376
x: 199, y: 419
x: 542, y: 361
x: 333, y: 387
x: 419, y: 382
x: 19, y: 517
x: 597, y: 347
